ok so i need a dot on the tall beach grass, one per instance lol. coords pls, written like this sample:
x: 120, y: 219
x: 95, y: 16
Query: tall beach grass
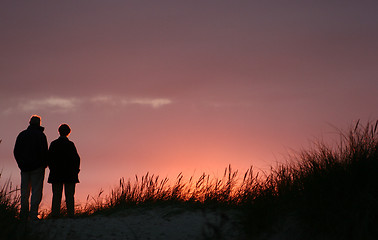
x: 328, y: 189
x: 9, y: 208
x: 326, y: 192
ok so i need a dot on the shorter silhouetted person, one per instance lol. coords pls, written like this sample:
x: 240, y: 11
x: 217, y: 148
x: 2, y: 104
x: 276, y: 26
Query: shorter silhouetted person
x: 30, y: 152
x: 64, y: 164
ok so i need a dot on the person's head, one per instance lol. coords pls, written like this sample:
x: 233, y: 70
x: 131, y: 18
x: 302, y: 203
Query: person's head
x: 64, y: 130
x: 35, y: 120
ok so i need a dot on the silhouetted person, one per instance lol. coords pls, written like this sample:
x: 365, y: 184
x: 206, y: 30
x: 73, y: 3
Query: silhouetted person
x: 30, y: 152
x: 64, y: 164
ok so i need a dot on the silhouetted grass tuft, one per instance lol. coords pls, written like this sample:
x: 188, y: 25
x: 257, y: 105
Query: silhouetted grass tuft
x: 8, y: 210
x: 331, y: 191
x: 151, y: 189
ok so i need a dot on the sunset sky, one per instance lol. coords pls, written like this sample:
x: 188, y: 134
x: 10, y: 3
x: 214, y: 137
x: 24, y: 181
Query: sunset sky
x: 184, y: 86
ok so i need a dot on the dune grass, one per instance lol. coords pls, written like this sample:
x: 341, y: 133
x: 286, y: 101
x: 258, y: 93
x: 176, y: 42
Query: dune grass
x: 11, y: 226
x: 151, y: 189
x: 9, y: 208
x: 329, y: 191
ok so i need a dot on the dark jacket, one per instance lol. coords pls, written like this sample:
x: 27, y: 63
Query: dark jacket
x: 63, y: 161
x: 30, y: 150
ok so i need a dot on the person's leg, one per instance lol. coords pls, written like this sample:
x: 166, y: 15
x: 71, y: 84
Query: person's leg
x: 69, y: 191
x: 57, y: 189
x: 37, y: 177
x: 25, y: 193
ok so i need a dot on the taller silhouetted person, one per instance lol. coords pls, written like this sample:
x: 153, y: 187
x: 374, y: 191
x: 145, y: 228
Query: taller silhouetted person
x: 64, y: 163
x: 30, y: 152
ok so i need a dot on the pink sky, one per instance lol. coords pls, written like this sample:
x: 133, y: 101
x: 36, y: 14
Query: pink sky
x: 170, y: 87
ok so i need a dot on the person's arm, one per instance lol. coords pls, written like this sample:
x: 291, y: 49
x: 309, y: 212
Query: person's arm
x: 44, y: 149
x: 17, y: 151
x: 50, y: 156
x: 76, y: 158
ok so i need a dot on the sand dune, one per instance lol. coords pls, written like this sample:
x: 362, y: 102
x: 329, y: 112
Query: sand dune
x: 145, y: 223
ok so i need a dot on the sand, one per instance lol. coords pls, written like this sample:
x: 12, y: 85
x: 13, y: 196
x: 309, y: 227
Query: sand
x: 145, y: 223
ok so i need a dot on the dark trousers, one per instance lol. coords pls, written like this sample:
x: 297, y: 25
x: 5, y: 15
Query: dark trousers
x: 69, y: 192
x: 31, y: 182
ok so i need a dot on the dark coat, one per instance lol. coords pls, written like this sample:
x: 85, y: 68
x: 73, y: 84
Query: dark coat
x: 63, y: 161
x: 30, y: 150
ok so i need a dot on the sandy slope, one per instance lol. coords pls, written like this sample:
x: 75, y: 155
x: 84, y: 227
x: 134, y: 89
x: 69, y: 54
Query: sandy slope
x: 145, y: 223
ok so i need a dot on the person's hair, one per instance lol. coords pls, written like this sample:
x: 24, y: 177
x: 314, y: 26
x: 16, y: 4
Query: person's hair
x: 35, y: 120
x: 64, y: 130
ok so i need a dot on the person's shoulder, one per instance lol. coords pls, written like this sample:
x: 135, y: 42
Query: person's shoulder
x: 26, y: 132
x: 23, y: 132
x: 56, y: 141
x: 72, y: 143
x: 22, y: 135
x: 62, y: 140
